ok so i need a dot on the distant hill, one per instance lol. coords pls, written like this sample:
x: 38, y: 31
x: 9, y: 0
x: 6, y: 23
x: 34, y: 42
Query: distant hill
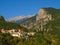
x: 18, y: 19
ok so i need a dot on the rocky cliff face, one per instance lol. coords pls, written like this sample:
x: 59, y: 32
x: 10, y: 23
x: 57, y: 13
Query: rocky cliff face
x: 42, y: 14
x: 36, y: 22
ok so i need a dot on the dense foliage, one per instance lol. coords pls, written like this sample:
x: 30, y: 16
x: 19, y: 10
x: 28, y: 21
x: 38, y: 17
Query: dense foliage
x: 54, y: 24
x: 38, y: 39
x: 8, y: 25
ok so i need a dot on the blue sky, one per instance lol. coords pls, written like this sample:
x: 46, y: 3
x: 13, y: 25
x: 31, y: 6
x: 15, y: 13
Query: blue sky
x: 13, y: 8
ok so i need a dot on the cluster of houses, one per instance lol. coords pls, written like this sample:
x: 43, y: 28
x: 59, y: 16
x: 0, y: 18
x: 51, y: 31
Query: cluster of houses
x: 18, y: 33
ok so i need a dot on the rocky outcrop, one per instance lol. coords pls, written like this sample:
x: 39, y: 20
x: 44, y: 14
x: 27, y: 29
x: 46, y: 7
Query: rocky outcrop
x: 42, y: 14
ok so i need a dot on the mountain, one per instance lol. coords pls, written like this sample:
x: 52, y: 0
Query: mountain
x: 18, y: 19
x: 34, y: 22
x: 47, y: 23
x: 44, y: 15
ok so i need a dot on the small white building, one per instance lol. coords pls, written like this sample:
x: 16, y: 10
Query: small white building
x: 31, y: 33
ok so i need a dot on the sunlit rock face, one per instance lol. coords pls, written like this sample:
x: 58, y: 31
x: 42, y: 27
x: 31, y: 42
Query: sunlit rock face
x: 42, y: 14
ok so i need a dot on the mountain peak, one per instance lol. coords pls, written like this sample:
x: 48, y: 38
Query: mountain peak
x: 41, y: 14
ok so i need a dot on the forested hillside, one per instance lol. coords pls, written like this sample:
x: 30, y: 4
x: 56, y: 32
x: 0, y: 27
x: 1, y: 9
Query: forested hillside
x: 8, y: 25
